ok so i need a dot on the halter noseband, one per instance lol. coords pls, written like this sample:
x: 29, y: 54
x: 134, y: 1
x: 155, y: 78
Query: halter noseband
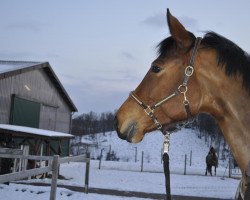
x: 182, y: 89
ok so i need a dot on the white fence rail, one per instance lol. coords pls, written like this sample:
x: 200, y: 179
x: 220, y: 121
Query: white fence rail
x: 54, y: 168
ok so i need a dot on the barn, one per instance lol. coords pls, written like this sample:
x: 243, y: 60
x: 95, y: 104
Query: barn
x: 35, y: 109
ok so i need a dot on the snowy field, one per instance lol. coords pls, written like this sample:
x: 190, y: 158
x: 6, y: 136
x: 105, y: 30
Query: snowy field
x: 187, y: 185
x: 126, y: 176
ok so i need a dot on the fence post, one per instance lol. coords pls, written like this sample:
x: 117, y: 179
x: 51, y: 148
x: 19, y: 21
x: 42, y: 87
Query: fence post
x: 87, y: 174
x: 41, y: 153
x: 229, y: 167
x: 185, y: 165
x: 135, y: 154
x: 142, y: 160
x: 110, y: 148
x: 25, y: 161
x: 55, y: 166
x: 190, y: 163
x: 100, y: 160
x: 20, y: 161
x: 161, y: 155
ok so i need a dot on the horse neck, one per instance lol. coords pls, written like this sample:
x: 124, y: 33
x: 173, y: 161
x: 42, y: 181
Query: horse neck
x: 224, y: 98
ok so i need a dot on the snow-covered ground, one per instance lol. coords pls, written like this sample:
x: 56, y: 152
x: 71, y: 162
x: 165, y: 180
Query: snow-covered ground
x: 152, y: 182
x: 126, y: 176
x: 187, y: 185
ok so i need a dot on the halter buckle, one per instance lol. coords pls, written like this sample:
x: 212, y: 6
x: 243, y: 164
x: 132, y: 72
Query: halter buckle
x: 149, y: 111
x: 189, y: 70
x: 158, y: 125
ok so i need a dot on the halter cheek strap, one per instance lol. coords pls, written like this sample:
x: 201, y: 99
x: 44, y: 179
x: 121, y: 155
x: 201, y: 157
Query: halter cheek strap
x: 182, y: 89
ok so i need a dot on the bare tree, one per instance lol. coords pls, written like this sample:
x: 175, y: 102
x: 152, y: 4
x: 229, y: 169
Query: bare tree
x: 91, y: 123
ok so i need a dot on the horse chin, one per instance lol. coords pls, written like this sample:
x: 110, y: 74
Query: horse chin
x: 137, y: 139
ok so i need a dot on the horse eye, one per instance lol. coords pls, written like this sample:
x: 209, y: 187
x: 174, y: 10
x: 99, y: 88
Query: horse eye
x: 155, y: 69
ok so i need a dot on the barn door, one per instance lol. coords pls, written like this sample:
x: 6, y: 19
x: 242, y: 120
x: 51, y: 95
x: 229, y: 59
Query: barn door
x: 24, y: 112
x: 48, y: 117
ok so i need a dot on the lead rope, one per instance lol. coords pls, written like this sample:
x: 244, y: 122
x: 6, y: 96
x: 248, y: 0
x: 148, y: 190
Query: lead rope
x: 165, y: 159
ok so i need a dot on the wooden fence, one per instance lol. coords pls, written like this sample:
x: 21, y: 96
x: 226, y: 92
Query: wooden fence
x: 54, y: 165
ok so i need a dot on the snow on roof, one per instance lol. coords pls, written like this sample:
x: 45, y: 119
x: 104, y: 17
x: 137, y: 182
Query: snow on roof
x: 7, y: 66
x: 34, y: 131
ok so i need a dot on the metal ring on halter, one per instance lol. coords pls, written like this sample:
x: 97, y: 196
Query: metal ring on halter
x: 184, y: 89
x: 189, y: 71
x: 158, y: 124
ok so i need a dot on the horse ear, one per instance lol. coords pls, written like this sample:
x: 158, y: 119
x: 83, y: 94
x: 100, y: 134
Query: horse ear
x: 178, y: 32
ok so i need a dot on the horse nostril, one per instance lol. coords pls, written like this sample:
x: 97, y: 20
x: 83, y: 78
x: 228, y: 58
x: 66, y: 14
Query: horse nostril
x: 116, y: 126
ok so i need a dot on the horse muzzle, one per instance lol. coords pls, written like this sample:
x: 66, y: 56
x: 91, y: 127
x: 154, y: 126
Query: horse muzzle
x: 127, y: 133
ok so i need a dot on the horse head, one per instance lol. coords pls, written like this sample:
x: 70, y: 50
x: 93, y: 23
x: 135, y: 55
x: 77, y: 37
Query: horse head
x: 164, y: 78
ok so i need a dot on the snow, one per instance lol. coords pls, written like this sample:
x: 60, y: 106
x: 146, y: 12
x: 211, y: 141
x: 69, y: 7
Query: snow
x: 7, y: 66
x: 34, y: 131
x: 125, y: 175
x: 154, y: 182
x: 20, y: 192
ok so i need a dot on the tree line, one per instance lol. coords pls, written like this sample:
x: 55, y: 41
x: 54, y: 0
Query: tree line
x: 91, y: 123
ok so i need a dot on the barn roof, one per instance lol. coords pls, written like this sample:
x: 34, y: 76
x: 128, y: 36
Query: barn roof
x: 10, y: 68
x: 22, y: 131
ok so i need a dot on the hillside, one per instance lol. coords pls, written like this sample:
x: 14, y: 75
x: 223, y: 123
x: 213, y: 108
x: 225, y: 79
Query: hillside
x: 181, y: 143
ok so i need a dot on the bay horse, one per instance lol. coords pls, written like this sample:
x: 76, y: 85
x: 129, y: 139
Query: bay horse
x: 211, y: 161
x: 217, y: 83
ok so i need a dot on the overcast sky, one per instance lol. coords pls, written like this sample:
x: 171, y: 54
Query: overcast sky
x: 101, y: 50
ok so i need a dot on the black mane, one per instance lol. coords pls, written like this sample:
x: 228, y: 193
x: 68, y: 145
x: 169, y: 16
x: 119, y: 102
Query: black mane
x: 167, y: 45
x: 230, y: 56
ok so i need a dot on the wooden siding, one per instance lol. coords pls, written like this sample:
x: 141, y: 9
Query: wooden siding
x: 36, y: 86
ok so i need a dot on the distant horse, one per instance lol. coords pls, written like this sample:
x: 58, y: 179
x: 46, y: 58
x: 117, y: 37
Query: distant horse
x: 211, y: 160
x: 190, y: 76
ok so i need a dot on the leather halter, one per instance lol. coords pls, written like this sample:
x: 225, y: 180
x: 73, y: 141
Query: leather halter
x: 181, y: 89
